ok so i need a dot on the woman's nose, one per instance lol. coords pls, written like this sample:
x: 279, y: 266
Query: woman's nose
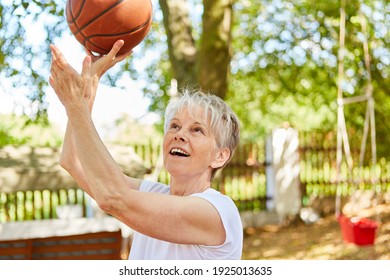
x: 180, y: 136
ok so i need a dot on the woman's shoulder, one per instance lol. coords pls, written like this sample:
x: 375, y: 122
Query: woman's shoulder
x: 230, y: 216
x: 222, y: 202
x: 214, y: 194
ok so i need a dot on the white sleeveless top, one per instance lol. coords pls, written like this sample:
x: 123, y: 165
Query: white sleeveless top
x: 146, y: 248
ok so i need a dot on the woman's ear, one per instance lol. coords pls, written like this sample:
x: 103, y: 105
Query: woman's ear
x: 221, y: 158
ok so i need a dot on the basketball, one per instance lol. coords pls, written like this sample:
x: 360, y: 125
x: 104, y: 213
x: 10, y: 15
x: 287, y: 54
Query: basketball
x: 98, y: 24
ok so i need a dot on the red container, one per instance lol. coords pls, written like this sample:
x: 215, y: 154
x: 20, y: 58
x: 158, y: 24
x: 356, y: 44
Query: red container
x: 360, y: 231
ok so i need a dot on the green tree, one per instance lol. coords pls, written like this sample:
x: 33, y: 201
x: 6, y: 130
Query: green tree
x: 272, y: 60
x: 18, y: 130
x: 286, y: 59
x: 24, y: 62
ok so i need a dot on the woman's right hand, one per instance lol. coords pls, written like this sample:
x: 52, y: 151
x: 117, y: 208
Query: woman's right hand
x: 102, y: 63
x: 67, y: 83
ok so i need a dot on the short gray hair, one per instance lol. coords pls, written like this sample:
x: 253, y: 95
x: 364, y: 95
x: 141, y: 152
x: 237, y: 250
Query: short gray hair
x: 223, y: 121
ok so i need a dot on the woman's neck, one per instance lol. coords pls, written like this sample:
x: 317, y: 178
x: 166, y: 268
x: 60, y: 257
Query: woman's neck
x: 186, y: 186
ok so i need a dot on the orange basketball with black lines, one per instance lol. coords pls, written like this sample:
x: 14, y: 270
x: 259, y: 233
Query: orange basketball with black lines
x: 98, y: 24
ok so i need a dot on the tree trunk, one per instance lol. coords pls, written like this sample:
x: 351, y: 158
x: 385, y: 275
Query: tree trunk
x: 181, y: 44
x: 210, y: 67
x: 215, y: 51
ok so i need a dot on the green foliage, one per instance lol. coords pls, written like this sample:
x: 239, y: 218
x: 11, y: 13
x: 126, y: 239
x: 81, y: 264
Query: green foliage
x: 284, y: 65
x: 24, y: 58
x: 19, y: 130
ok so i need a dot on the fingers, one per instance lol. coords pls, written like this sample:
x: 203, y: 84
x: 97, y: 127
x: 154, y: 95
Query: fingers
x: 115, y: 49
x: 86, y: 71
x: 86, y: 74
x: 93, y: 56
x: 123, y: 56
x: 101, y: 64
x: 59, y: 65
x: 51, y: 82
x: 95, y: 65
x: 111, y: 55
x: 57, y: 58
x: 54, y: 66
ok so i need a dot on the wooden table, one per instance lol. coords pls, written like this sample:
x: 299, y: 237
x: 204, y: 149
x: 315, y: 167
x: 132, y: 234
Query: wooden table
x: 60, y: 227
x: 82, y: 238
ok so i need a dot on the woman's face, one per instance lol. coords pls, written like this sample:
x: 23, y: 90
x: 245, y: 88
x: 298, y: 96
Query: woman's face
x: 189, y: 146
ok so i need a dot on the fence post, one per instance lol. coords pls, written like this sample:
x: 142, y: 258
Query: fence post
x: 269, y: 174
x: 285, y: 172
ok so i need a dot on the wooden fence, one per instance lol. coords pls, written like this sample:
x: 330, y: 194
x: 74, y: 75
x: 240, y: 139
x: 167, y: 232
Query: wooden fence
x: 243, y: 179
x: 37, y: 205
x: 318, y: 168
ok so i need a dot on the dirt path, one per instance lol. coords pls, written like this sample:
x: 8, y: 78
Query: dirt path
x: 322, y: 240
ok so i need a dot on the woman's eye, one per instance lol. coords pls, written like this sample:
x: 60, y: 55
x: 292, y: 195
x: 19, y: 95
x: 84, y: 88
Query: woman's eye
x: 198, y: 129
x: 174, y: 126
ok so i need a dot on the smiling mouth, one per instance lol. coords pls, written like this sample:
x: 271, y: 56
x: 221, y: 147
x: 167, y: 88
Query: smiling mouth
x: 179, y: 152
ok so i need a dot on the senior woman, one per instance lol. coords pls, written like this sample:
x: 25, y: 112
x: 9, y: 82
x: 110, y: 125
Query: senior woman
x: 186, y: 219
